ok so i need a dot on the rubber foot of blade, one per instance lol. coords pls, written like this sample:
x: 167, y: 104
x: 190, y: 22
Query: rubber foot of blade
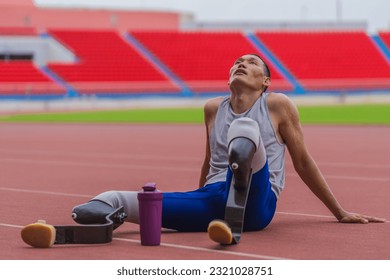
x: 39, y: 234
x: 220, y: 232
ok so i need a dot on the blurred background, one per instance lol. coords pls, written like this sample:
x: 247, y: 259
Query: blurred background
x: 121, y: 52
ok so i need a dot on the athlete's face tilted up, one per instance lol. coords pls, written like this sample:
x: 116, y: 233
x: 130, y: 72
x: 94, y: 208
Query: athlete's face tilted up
x: 249, y: 71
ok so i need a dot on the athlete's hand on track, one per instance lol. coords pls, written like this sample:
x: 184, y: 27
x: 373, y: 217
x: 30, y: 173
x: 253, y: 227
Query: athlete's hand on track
x: 358, y: 218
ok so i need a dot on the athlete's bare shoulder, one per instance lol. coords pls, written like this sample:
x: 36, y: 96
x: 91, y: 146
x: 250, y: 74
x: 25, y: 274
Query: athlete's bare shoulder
x: 275, y: 99
x: 210, y: 112
x: 211, y: 107
x: 284, y: 114
x: 281, y: 105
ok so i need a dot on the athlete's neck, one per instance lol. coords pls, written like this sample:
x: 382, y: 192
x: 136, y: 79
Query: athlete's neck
x: 241, y: 102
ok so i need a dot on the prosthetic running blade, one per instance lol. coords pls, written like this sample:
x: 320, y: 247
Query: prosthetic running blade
x: 42, y: 235
x: 235, y: 210
x: 230, y: 229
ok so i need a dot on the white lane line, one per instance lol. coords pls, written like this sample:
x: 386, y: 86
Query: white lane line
x: 170, y: 158
x: 351, y: 165
x: 9, y: 225
x: 305, y: 215
x: 343, y: 177
x: 99, y: 165
x: 310, y: 215
x: 45, y: 192
x: 101, y: 155
x: 199, y: 249
x: 162, y: 168
x: 90, y: 196
x: 185, y: 247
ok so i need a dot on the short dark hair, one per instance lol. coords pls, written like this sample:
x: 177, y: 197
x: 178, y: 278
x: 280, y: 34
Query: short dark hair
x: 267, y: 72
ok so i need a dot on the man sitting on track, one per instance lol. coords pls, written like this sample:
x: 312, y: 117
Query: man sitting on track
x: 252, y: 127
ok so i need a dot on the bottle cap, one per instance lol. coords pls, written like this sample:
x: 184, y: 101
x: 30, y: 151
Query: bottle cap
x: 149, y: 187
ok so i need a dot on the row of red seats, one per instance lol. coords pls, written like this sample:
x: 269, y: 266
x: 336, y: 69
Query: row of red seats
x: 333, y: 59
x: 201, y: 58
x: 25, y: 78
x: 317, y: 60
x: 104, y: 58
x: 14, y: 71
x: 18, y: 31
x: 385, y: 36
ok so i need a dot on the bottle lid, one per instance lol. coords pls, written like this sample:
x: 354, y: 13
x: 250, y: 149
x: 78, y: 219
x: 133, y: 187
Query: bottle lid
x: 149, y: 187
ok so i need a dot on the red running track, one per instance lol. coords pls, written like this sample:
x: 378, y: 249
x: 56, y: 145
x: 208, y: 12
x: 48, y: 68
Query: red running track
x: 46, y: 169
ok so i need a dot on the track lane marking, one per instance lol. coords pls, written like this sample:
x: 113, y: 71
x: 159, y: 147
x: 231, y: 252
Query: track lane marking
x: 98, y: 165
x: 171, y: 158
x: 185, y: 247
x: 161, y: 168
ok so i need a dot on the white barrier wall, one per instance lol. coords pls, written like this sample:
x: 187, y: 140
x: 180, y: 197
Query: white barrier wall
x: 43, y: 48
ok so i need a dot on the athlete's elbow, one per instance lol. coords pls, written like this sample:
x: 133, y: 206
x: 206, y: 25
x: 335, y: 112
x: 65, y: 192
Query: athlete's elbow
x: 303, y: 165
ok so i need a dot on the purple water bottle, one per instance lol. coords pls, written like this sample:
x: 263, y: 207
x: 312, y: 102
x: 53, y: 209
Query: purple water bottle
x: 150, y: 214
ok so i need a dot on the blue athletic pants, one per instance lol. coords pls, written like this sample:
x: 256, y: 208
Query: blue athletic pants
x: 194, y: 210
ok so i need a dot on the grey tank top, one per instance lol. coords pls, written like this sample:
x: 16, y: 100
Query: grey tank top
x: 219, y: 146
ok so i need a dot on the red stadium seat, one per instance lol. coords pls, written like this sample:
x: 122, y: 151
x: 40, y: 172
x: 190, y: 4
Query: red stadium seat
x: 385, y: 36
x: 202, y: 59
x: 23, y: 78
x: 18, y: 31
x: 330, y: 60
x: 107, y: 64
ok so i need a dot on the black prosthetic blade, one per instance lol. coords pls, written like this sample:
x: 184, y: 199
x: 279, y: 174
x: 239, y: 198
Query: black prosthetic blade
x: 235, y: 209
x: 89, y: 234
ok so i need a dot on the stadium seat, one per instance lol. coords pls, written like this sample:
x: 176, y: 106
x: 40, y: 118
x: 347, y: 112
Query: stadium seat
x: 23, y: 78
x: 18, y: 31
x: 202, y: 59
x: 107, y: 64
x: 385, y: 36
x: 330, y: 60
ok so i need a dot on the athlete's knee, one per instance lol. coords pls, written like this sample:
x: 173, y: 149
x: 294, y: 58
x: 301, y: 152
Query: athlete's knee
x: 127, y: 199
x: 92, y: 212
x: 112, y: 198
x: 96, y: 210
x: 245, y: 138
x: 244, y: 128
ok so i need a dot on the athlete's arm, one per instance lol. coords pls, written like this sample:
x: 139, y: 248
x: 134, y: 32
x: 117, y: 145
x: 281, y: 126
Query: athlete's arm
x: 205, y: 166
x: 210, y: 111
x: 290, y: 131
